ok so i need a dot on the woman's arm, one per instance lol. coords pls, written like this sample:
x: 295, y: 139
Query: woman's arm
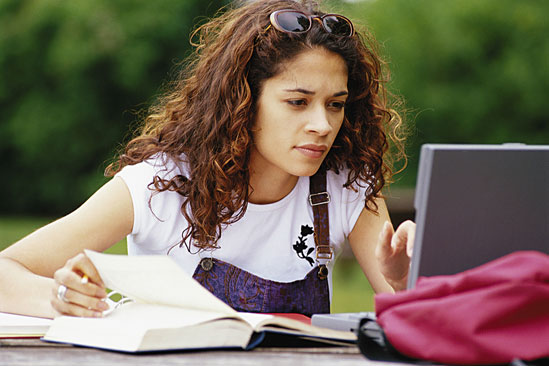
x: 383, y: 255
x: 27, y: 267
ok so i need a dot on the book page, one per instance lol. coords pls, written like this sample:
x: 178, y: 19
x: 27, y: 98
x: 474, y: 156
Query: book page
x: 140, y: 326
x: 255, y: 319
x: 12, y: 325
x: 293, y: 325
x: 155, y: 279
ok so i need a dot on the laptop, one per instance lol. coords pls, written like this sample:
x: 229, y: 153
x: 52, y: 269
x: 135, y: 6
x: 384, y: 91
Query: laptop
x: 474, y: 203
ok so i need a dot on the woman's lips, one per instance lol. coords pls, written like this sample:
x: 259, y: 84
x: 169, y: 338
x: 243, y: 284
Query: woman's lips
x: 311, y: 151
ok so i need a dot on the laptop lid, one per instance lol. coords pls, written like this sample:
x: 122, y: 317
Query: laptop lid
x: 476, y: 203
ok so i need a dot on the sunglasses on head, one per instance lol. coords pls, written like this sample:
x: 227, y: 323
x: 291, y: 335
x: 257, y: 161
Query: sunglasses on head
x: 293, y: 21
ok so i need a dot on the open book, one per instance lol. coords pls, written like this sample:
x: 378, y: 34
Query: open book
x: 170, y: 310
x: 20, y: 326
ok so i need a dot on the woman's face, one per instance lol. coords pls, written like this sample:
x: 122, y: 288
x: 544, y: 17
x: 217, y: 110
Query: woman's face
x: 299, y: 113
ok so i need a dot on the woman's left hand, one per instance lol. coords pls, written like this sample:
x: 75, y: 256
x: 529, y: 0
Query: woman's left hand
x: 393, y: 253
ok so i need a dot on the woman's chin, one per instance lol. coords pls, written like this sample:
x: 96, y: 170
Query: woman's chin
x: 305, y: 171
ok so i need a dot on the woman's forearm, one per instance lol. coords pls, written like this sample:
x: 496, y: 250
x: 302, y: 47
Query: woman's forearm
x: 23, y: 292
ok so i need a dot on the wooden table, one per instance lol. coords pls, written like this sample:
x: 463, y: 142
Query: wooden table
x: 19, y: 352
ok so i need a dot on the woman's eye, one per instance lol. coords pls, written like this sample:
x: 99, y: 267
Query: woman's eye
x: 337, y: 105
x: 297, y: 102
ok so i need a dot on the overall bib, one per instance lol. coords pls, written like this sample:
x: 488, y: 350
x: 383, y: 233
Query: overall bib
x: 246, y: 292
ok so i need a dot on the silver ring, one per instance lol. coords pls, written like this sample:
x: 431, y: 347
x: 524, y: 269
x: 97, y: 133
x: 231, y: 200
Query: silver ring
x: 61, y: 292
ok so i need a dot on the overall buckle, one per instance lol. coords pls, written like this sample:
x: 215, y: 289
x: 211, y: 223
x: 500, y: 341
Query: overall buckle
x: 321, y: 198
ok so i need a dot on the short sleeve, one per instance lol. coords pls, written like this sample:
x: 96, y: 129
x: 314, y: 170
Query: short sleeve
x: 148, y: 205
x: 353, y: 204
x: 137, y: 178
x: 348, y: 202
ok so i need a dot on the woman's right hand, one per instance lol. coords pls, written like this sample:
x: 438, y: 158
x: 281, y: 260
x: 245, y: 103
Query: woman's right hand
x: 79, y: 290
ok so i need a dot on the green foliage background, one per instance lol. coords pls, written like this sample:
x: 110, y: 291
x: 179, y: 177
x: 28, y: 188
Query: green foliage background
x: 470, y: 71
x: 72, y: 73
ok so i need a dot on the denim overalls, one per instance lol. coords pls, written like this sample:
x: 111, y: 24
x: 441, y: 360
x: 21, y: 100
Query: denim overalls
x: 246, y: 292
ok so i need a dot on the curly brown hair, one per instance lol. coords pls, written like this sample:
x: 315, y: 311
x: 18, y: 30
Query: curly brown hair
x: 206, y: 120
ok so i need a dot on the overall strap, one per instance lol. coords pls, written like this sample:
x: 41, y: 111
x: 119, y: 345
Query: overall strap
x: 319, y: 199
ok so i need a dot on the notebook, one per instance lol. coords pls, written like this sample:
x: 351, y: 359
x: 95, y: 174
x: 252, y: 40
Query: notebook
x: 474, y: 203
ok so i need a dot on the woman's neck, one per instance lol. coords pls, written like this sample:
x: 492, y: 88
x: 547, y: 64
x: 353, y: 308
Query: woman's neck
x: 269, y: 186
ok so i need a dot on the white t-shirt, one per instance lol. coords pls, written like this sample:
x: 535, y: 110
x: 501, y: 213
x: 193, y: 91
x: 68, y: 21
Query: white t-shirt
x: 261, y: 242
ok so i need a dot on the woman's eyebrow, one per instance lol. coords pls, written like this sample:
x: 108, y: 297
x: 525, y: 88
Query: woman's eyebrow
x: 300, y: 90
x: 310, y: 92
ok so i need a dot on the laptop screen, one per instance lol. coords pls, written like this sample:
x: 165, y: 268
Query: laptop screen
x: 475, y: 203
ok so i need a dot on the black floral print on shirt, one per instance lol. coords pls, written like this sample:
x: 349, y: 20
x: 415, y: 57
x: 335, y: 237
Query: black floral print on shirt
x: 300, y: 246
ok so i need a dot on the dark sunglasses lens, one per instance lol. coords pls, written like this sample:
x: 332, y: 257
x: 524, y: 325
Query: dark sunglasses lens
x: 337, y: 25
x: 293, y: 22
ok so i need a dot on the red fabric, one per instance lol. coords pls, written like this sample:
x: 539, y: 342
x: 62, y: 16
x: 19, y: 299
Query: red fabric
x: 295, y: 316
x: 490, y: 314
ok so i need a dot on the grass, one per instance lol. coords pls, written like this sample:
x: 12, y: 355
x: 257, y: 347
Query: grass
x: 351, y: 289
x: 352, y: 292
x: 15, y: 228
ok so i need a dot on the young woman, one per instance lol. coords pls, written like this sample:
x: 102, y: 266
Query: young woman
x: 269, y: 152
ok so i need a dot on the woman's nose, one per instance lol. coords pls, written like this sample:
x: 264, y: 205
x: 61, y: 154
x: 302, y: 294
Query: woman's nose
x: 319, y: 123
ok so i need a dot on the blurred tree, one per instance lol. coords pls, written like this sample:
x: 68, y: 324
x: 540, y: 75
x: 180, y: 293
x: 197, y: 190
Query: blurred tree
x: 73, y: 72
x: 71, y: 75
x: 470, y: 71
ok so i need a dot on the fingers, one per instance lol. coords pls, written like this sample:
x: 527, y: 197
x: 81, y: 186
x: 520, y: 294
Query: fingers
x: 83, y: 266
x: 393, y: 253
x: 393, y: 243
x: 383, y: 249
x: 77, y: 304
x: 403, y: 239
x: 85, y: 292
x: 398, y: 242
x: 74, y: 282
